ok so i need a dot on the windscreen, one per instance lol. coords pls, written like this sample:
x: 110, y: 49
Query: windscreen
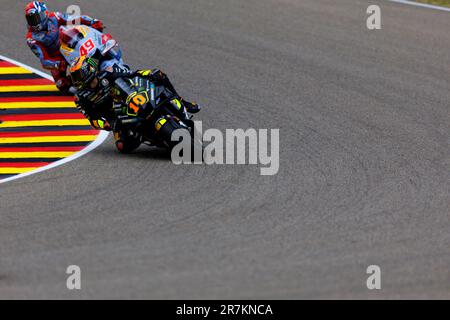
x: 70, y: 37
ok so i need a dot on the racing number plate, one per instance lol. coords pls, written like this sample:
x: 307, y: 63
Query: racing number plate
x: 136, y: 101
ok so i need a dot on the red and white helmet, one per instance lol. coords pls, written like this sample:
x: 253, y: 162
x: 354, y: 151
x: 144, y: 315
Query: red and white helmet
x: 36, y: 14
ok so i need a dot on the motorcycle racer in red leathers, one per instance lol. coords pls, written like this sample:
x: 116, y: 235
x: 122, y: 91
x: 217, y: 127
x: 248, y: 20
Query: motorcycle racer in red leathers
x: 43, y: 38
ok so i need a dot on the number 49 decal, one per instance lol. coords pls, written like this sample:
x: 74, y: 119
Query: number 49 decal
x: 87, y: 47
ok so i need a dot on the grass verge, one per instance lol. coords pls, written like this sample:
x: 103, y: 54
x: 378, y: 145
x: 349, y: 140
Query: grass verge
x: 443, y: 3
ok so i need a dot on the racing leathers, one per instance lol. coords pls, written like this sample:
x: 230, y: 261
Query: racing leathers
x: 45, y: 44
x: 97, y: 103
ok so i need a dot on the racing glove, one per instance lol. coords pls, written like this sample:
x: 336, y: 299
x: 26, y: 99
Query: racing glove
x: 101, y: 124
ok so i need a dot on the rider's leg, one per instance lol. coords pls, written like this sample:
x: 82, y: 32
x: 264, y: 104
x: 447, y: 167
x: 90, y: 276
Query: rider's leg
x: 191, y: 107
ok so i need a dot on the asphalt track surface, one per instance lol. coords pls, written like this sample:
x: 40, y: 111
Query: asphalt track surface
x: 364, y: 161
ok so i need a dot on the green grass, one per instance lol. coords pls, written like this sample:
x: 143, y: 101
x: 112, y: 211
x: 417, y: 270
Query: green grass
x: 444, y: 3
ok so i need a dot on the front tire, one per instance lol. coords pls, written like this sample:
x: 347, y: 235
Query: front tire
x: 126, y: 144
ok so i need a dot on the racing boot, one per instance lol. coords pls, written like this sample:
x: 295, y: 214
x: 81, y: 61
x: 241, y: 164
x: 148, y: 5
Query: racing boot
x: 191, y: 107
x: 62, y: 83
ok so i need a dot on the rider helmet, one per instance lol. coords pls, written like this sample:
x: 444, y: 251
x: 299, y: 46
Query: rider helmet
x: 36, y: 14
x: 83, y: 71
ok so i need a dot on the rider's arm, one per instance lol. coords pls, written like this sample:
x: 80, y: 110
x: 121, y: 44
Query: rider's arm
x: 40, y: 52
x: 87, y: 109
x: 154, y: 75
x: 65, y: 19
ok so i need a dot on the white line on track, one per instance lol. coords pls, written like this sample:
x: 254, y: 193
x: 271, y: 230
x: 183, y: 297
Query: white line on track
x: 97, y: 142
x: 423, y: 5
